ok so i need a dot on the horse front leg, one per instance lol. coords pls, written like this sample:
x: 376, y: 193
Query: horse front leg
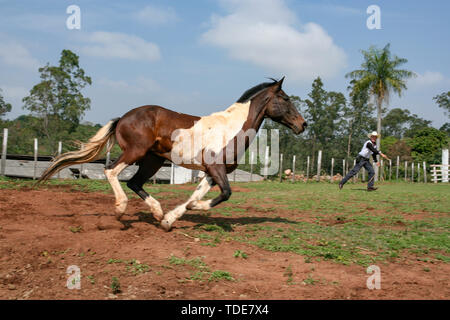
x: 175, y: 214
x: 219, y: 175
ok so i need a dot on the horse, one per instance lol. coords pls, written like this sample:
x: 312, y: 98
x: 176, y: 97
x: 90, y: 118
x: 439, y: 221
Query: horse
x: 150, y: 134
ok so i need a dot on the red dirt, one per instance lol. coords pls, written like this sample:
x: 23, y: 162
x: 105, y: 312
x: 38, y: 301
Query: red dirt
x: 37, y: 246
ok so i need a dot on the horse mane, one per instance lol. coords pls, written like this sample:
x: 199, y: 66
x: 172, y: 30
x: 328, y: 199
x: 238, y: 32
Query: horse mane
x: 250, y: 93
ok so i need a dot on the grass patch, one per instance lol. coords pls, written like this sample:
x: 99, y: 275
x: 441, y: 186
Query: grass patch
x: 199, y: 270
x: 134, y: 266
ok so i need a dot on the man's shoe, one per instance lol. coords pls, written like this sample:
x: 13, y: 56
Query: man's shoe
x: 341, y: 185
x: 371, y: 189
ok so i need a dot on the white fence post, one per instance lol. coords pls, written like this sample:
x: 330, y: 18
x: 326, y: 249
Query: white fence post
x: 172, y: 173
x: 355, y: 176
x: 293, y: 168
x: 251, y: 166
x: 281, y: 167
x: 424, y: 172
x: 332, y: 169
x: 412, y: 171
x: 343, y: 168
x: 398, y: 167
x: 444, y: 165
x: 406, y: 171
x: 390, y: 169
x: 35, y: 157
x: 319, y: 164
x: 59, y: 153
x: 4, y: 148
x: 418, y: 171
x: 307, y: 168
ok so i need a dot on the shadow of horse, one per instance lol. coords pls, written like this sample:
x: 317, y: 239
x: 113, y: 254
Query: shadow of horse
x: 226, y: 223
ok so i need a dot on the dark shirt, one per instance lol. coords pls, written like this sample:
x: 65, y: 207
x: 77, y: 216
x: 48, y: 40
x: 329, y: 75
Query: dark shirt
x: 373, y: 148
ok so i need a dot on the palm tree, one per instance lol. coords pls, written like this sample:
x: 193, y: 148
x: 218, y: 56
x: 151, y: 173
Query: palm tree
x: 380, y: 76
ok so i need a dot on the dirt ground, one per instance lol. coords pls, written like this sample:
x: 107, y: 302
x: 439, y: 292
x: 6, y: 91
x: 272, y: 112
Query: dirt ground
x: 40, y: 237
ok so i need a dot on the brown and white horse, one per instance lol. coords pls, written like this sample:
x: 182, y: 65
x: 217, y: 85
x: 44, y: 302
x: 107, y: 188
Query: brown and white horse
x: 150, y: 134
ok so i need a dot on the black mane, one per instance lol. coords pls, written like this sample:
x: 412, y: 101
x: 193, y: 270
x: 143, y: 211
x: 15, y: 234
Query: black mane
x: 250, y: 93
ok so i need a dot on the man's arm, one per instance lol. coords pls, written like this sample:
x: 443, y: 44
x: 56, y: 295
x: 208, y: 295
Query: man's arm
x: 375, y: 151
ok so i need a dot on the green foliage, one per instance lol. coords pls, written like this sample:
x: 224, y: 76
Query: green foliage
x: 115, y: 285
x: 239, y: 253
x: 427, y: 144
x: 324, y: 114
x: 443, y: 101
x: 387, y: 143
x: 401, y: 123
x: 57, y: 100
x: 4, y: 107
x: 220, y: 275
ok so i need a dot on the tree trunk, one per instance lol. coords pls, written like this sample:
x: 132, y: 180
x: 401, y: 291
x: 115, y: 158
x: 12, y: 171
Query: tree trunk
x: 379, y: 103
x: 349, y: 140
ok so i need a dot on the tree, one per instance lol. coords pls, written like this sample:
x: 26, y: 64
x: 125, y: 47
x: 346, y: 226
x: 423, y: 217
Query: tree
x: 399, y: 148
x: 57, y: 100
x: 443, y: 101
x: 359, y: 118
x: 401, y: 123
x: 445, y: 128
x: 324, y: 112
x: 427, y: 145
x: 380, y: 75
x: 4, y: 107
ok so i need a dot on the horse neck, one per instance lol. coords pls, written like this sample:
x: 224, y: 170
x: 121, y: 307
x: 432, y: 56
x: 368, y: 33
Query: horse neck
x: 256, y: 115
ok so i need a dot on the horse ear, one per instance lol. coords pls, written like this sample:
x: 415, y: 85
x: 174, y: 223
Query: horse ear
x: 279, y: 84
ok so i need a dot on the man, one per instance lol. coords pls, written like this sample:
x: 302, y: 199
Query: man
x: 369, y: 148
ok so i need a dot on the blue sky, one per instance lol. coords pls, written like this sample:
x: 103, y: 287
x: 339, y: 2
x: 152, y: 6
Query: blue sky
x: 199, y: 56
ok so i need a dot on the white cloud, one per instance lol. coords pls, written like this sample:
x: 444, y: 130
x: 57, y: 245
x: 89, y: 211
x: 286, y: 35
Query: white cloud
x: 266, y: 33
x: 15, y: 54
x: 428, y: 78
x: 139, y: 85
x: 334, y: 9
x: 152, y: 15
x: 120, y: 45
x: 15, y: 93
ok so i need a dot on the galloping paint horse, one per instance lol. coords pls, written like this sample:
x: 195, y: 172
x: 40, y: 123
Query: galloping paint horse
x: 149, y: 135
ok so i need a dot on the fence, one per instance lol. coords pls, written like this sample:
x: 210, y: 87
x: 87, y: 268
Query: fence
x: 335, y: 169
x: 325, y: 168
x: 25, y: 166
x: 439, y: 172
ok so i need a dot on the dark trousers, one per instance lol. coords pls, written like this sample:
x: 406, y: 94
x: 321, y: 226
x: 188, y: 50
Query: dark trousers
x: 361, y: 162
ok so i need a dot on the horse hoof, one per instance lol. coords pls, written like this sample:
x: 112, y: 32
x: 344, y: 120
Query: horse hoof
x: 166, y: 225
x: 190, y: 205
x: 118, y: 216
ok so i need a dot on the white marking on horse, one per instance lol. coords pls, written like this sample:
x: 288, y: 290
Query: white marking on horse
x: 199, y: 193
x: 208, y: 137
x: 121, y: 197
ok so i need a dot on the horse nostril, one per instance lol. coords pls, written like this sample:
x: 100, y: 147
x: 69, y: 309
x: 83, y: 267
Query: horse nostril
x: 305, y: 124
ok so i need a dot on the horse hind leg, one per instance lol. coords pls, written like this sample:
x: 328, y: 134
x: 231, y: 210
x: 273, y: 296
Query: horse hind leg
x: 112, y: 172
x: 147, y: 168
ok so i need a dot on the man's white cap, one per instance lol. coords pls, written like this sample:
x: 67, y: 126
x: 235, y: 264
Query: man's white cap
x: 373, y: 134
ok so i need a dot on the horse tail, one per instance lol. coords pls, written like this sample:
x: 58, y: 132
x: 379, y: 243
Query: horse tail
x: 88, y: 152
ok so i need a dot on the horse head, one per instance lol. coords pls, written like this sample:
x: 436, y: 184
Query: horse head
x: 280, y: 108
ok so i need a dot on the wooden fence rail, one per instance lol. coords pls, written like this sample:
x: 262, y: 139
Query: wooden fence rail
x: 439, y: 172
